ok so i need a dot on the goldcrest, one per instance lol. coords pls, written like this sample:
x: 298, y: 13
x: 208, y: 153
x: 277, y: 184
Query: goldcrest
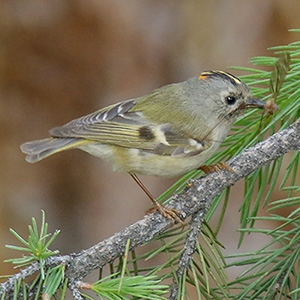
x: 168, y: 132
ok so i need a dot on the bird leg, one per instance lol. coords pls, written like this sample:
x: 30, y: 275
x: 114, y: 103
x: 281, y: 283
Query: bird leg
x: 215, y: 168
x: 168, y: 213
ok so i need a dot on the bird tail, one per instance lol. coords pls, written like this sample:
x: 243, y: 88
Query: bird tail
x: 38, y: 150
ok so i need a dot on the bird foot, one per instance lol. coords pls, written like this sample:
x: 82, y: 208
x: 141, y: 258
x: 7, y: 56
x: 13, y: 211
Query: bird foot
x: 170, y: 213
x: 216, y: 168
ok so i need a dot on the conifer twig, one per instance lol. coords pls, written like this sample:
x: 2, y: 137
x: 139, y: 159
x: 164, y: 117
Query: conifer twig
x: 197, y: 197
x: 189, y: 249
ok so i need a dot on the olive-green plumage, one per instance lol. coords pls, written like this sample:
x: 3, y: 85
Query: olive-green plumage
x: 169, y: 132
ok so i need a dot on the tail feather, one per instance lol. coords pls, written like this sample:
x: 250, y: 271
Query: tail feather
x: 38, y: 150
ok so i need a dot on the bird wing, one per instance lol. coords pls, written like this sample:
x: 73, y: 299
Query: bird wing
x: 120, y: 125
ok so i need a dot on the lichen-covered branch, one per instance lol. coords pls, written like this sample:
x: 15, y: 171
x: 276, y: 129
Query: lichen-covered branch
x: 196, y: 197
x: 189, y: 249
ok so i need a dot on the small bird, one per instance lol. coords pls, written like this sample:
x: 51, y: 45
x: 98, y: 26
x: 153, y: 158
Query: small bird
x: 169, y: 132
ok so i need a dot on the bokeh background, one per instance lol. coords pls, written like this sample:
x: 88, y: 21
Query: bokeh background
x: 60, y: 60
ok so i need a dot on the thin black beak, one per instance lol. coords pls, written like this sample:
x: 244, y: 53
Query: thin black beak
x: 255, y: 103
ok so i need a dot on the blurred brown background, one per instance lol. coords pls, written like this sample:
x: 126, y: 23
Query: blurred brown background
x: 60, y: 60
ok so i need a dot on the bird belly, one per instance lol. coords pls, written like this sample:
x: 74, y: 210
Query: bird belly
x: 143, y: 162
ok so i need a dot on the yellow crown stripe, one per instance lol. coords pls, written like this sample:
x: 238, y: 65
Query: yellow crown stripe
x: 230, y: 76
x: 206, y: 74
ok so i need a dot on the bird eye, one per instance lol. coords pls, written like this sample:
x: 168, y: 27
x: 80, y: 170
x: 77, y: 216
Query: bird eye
x: 230, y: 100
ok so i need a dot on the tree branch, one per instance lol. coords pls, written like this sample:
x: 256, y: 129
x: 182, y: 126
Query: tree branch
x: 261, y: 150
x: 190, y: 245
x: 197, y: 197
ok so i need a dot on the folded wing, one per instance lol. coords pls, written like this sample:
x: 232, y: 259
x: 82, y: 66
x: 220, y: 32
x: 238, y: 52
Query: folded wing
x: 120, y: 125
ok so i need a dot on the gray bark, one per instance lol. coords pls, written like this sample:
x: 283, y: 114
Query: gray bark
x: 195, y: 200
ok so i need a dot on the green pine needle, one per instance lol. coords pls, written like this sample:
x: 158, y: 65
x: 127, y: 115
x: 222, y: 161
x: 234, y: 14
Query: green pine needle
x: 37, y: 245
x: 142, y: 287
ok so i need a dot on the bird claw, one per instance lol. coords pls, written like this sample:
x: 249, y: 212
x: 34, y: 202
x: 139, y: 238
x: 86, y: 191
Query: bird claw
x: 216, y: 168
x: 169, y: 213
